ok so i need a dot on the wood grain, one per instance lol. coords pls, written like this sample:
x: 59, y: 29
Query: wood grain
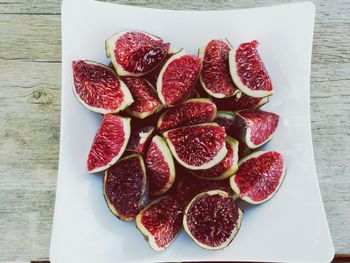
x: 30, y: 112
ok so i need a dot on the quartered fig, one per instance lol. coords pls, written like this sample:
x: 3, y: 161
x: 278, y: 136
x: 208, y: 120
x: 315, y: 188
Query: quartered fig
x: 197, y: 147
x: 160, y: 166
x: 255, y: 127
x: 224, y: 169
x: 145, y: 97
x: 177, y: 78
x: 135, y: 53
x: 161, y: 221
x: 109, y: 143
x: 98, y: 88
x: 248, y: 71
x: 215, y: 75
x: 259, y: 176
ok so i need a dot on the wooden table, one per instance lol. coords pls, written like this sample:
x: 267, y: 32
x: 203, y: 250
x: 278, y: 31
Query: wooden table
x: 30, y: 56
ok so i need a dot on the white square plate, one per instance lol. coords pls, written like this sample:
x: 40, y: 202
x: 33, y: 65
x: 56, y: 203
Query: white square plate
x: 290, y: 227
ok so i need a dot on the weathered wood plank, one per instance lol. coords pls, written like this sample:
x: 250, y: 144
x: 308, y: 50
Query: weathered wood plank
x: 30, y: 7
x: 30, y: 214
x: 30, y: 38
x: 53, y: 6
x: 30, y: 93
x: 30, y: 103
x: 330, y: 115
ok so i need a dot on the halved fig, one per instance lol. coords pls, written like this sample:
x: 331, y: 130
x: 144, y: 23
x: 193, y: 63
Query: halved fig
x: 226, y: 119
x: 212, y: 219
x: 259, y: 176
x: 255, y: 127
x: 109, y: 143
x: 215, y: 75
x: 224, y: 169
x: 240, y: 102
x: 248, y: 71
x: 98, y: 88
x: 192, y: 111
x: 140, y: 139
x: 135, y: 53
x: 125, y: 187
x: 145, y: 97
x: 178, y: 78
x: 161, y: 221
x: 160, y: 167
x: 197, y: 147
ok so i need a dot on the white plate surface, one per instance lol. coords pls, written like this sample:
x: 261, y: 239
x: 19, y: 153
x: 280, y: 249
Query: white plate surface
x: 292, y: 227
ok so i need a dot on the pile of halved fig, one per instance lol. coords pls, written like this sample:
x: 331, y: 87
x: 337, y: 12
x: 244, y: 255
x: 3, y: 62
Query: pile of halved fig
x: 180, y: 136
